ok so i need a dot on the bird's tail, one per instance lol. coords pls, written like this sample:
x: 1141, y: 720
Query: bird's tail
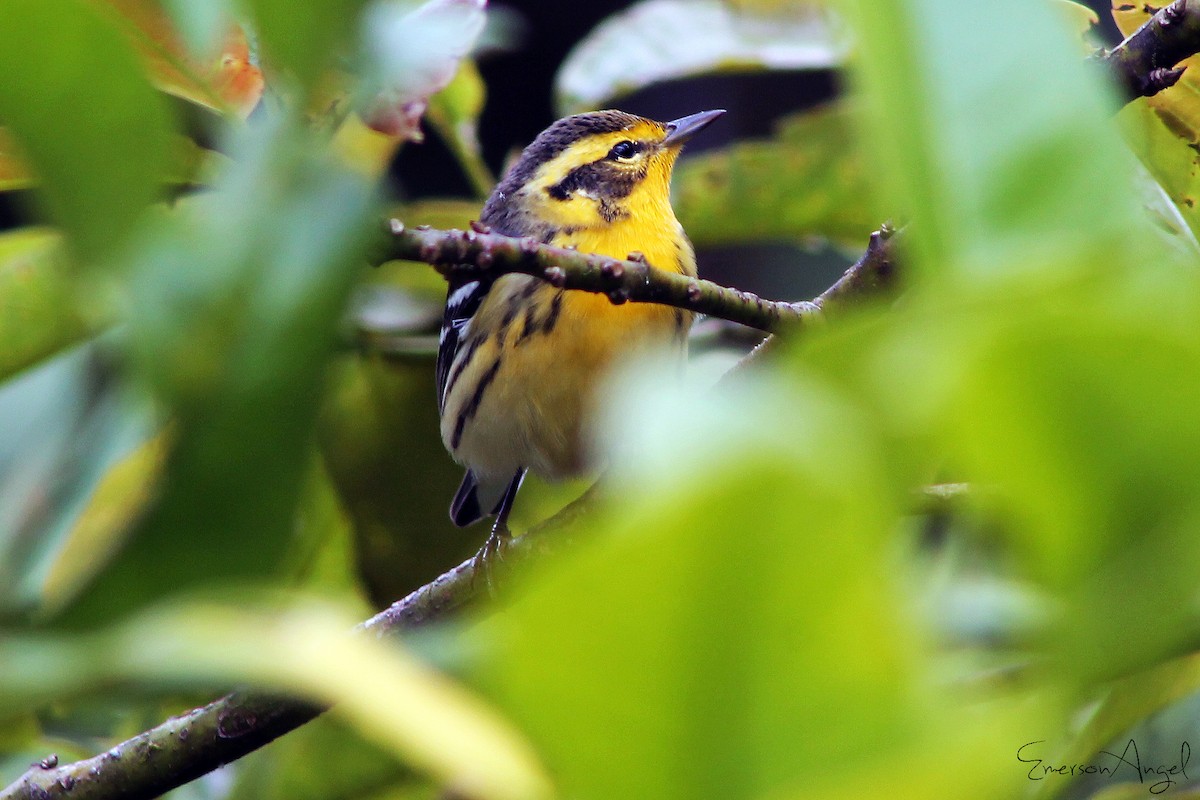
x: 473, y: 497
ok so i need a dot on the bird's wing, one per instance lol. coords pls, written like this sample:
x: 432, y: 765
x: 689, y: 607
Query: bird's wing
x: 463, y: 299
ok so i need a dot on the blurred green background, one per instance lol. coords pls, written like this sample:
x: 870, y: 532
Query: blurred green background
x: 218, y: 434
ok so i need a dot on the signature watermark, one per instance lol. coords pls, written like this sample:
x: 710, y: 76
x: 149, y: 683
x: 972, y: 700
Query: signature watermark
x: 1122, y: 766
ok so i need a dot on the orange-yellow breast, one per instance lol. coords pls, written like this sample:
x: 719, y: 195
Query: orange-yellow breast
x: 555, y: 350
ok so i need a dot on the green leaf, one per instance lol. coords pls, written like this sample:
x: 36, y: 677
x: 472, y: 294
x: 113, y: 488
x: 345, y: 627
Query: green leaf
x: 659, y: 40
x: 63, y: 424
x: 118, y: 498
x: 1073, y: 409
x: 38, y: 313
x: 988, y: 129
x: 233, y: 302
x: 806, y: 182
x: 302, y: 45
x: 14, y: 172
x: 304, y: 649
x: 1167, y: 144
x: 92, y: 128
x: 729, y: 630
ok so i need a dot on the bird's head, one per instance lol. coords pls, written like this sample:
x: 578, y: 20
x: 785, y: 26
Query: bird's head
x: 592, y: 170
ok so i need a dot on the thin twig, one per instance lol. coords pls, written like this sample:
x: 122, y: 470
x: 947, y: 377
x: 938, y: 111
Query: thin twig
x: 873, y: 271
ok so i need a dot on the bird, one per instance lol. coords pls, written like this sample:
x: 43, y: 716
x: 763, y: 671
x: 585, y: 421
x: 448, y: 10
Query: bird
x: 520, y: 361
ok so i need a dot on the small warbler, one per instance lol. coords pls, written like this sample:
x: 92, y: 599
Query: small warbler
x: 519, y: 361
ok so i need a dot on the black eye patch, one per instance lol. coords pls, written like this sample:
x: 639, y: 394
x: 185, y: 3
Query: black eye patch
x: 625, y: 149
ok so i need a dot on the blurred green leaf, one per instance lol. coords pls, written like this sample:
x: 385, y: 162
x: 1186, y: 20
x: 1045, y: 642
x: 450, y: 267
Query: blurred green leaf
x: 730, y: 631
x: 120, y: 496
x: 63, y: 424
x: 658, y: 40
x: 93, y: 129
x: 232, y: 307
x: 298, y: 45
x: 1074, y: 409
x: 38, y: 313
x: 402, y: 705
x: 324, y: 759
x: 189, y: 164
x: 987, y: 129
x: 807, y: 182
x: 1168, y: 147
x: 14, y: 172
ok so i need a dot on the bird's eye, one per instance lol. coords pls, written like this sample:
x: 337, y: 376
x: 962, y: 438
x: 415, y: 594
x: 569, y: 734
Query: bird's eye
x: 624, y: 149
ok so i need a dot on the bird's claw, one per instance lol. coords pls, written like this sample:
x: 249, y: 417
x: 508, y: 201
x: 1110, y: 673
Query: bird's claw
x: 491, y: 556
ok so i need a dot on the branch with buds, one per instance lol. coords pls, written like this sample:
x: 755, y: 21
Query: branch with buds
x: 479, y: 253
x: 1144, y: 64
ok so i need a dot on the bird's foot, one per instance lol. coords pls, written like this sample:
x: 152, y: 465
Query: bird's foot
x: 491, y: 557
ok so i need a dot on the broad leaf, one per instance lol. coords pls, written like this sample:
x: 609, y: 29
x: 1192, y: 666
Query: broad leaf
x: 232, y: 310
x: 76, y: 99
x: 420, y: 716
x: 1005, y: 161
x: 38, y: 313
x: 806, y: 182
x: 728, y: 631
x: 658, y: 40
x: 225, y: 79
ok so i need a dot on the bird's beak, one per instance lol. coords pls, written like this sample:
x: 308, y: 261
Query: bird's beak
x: 684, y: 128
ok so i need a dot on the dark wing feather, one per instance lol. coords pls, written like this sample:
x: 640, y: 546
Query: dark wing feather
x: 464, y: 295
x: 462, y: 301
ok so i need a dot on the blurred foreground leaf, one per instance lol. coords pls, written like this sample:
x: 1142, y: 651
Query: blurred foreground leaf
x: 657, y: 40
x: 63, y: 424
x: 730, y: 632
x: 38, y: 313
x: 297, y: 48
x: 421, y: 717
x: 118, y: 499
x: 807, y: 182
x: 92, y: 128
x: 232, y: 307
x: 14, y: 172
x: 1003, y: 169
x: 224, y: 80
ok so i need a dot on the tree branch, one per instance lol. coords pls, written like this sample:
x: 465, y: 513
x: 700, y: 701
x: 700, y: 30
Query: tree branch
x: 1144, y: 64
x: 479, y: 253
x: 872, y: 272
x: 185, y: 747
